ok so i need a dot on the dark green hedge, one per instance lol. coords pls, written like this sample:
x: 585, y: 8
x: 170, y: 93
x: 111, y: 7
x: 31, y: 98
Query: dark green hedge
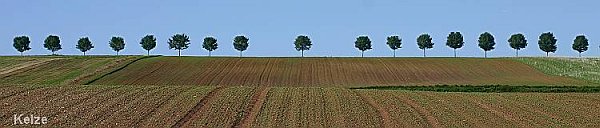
x: 491, y: 88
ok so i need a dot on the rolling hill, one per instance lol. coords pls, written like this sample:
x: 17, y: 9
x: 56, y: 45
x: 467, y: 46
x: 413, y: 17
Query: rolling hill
x: 338, y: 72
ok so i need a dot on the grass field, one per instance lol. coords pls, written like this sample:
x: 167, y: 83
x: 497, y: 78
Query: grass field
x: 587, y: 69
x: 61, y: 70
x: 339, y: 72
x: 134, y: 91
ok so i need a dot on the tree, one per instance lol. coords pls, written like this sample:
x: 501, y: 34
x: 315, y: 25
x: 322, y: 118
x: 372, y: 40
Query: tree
x: 424, y: 42
x: 52, y: 43
x: 210, y: 44
x: 117, y: 44
x: 302, y: 43
x: 21, y: 43
x: 394, y: 42
x: 547, y: 43
x: 148, y: 42
x: 580, y: 44
x: 517, y: 42
x: 240, y: 43
x: 454, y: 41
x: 84, y: 44
x: 486, y: 42
x: 179, y: 42
x: 363, y: 43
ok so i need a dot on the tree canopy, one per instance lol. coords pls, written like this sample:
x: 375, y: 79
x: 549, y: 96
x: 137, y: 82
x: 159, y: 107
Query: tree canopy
x: 117, y: 44
x: 52, y: 43
x: 210, y: 44
x: 424, y: 42
x: 21, y: 43
x: 302, y: 43
x: 148, y: 42
x: 455, y: 41
x: 179, y: 42
x: 84, y: 44
x: 240, y: 43
x: 517, y: 42
x: 486, y: 42
x: 363, y: 43
x: 580, y: 44
x: 547, y: 42
x: 394, y: 42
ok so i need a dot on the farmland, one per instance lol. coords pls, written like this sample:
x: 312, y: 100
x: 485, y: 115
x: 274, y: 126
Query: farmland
x: 337, y: 72
x: 69, y: 106
x: 59, y: 70
x: 134, y: 91
x: 587, y: 69
x: 165, y: 106
x: 427, y: 109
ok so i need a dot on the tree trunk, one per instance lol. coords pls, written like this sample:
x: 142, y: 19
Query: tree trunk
x: 209, y: 53
x: 517, y: 52
x: 362, y: 54
x: 455, y: 53
x: 394, y: 52
x: 148, y: 53
x: 179, y: 52
x: 484, y: 54
x: 579, y: 54
x: 240, y: 54
x: 302, y: 52
x: 424, y: 53
x: 117, y: 53
x: 83, y: 53
x: 21, y: 53
x: 547, y: 55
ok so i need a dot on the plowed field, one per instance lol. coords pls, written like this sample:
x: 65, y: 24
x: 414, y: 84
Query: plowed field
x: 106, y: 106
x: 209, y: 106
x: 434, y: 109
x: 339, y: 72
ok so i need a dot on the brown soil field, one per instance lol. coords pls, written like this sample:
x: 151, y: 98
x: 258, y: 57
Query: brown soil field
x: 210, y: 106
x: 435, y: 109
x: 106, y: 106
x: 316, y: 107
x: 338, y: 72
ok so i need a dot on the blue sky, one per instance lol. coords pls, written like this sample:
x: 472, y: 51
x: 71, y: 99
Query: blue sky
x: 272, y: 25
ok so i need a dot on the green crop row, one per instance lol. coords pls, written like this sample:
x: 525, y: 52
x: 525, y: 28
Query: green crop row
x: 491, y: 88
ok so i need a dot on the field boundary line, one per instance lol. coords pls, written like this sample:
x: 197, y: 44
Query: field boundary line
x: 386, y: 119
x: 99, y: 70
x: 118, y: 69
x: 201, y: 104
x: 422, y: 111
x: 253, y: 109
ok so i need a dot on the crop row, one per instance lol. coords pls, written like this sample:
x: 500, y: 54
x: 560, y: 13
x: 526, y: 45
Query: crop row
x: 193, y: 106
x: 93, y: 106
x: 328, y: 72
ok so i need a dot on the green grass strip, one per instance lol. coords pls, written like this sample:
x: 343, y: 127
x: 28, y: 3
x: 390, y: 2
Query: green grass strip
x: 491, y: 88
